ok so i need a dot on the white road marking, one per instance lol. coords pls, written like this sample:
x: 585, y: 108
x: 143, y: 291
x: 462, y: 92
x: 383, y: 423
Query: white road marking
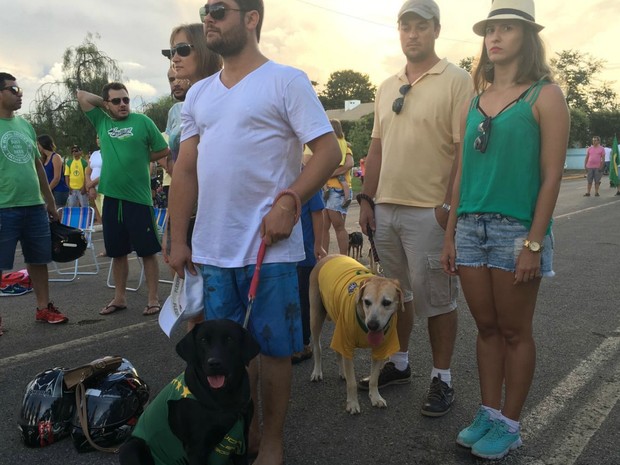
x: 576, y: 212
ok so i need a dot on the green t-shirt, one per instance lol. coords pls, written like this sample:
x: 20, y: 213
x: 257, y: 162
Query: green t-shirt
x: 19, y: 183
x: 126, y: 147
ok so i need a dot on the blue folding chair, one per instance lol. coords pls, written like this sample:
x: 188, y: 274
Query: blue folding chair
x: 161, y: 216
x: 82, y: 218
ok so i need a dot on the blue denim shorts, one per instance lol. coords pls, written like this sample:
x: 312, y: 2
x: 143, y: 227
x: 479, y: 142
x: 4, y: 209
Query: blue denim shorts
x: 495, y: 241
x: 335, y: 200
x: 275, y: 321
x: 30, y: 226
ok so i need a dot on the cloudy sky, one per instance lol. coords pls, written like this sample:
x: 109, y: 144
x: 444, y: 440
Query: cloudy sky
x: 318, y: 36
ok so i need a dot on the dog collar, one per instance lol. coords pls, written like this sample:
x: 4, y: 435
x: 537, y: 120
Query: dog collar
x: 386, y: 328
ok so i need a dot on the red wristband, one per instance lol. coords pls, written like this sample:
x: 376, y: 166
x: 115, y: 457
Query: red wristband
x: 295, y: 195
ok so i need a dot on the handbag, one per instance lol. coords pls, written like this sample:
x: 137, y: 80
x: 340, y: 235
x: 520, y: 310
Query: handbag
x: 68, y: 243
x: 100, y: 367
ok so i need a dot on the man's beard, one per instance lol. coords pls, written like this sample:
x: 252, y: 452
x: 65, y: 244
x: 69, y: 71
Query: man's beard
x: 230, y: 44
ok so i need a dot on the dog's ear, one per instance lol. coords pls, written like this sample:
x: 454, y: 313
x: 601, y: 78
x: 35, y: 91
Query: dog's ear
x: 399, y: 291
x: 360, y: 296
x: 250, y: 348
x: 186, y: 347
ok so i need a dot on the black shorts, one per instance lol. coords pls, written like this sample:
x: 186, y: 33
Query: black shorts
x: 128, y: 227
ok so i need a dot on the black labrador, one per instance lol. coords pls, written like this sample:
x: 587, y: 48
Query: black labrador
x: 196, y: 414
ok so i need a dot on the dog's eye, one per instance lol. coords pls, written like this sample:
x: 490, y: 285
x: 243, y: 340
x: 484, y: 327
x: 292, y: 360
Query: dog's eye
x: 386, y: 302
x: 205, y: 340
x: 367, y: 302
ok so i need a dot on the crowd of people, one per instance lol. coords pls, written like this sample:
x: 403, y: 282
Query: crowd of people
x: 240, y: 116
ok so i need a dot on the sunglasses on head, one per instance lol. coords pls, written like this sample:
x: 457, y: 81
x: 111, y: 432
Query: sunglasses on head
x: 118, y: 100
x: 15, y: 90
x: 217, y: 11
x: 75, y: 150
x: 482, y: 141
x: 182, y: 49
x: 397, y: 105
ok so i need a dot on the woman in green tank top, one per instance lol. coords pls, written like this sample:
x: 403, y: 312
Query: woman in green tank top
x: 514, y: 137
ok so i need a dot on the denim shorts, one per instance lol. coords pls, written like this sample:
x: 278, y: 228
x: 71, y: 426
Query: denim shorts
x: 334, y: 201
x: 30, y: 226
x: 495, y: 241
x: 275, y: 321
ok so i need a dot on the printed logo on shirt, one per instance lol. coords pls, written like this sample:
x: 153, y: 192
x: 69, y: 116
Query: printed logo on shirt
x: 120, y: 133
x: 17, y: 147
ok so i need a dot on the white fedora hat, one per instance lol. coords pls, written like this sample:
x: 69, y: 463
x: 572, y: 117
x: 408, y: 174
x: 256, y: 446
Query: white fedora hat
x: 509, y: 9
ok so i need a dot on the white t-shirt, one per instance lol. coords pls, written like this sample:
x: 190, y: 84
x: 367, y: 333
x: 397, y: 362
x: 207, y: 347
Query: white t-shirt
x: 95, y: 165
x: 250, y: 148
x: 607, y: 153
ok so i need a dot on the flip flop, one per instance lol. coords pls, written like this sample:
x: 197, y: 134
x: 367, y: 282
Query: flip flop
x: 151, y: 310
x: 111, y: 308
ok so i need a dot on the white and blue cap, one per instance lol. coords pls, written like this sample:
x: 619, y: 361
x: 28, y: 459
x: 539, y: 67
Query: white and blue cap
x: 427, y: 9
x: 184, y: 303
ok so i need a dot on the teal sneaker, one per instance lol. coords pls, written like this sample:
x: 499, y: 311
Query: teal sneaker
x: 477, y: 430
x: 497, y: 442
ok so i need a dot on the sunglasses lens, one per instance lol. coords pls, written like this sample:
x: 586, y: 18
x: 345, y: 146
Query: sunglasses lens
x: 184, y: 50
x: 397, y: 106
x: 217, y: 12
x: 167, y: 53
x: 118, y: 100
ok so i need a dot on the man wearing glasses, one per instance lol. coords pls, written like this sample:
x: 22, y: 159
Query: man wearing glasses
x: 409, y: 173
x: 249, y: 122
x: 75, y: 175
x: 129, y: 143
x: 26, y: 202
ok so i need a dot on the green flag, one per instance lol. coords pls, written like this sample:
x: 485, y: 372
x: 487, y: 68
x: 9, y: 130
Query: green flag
x: 613, y: 165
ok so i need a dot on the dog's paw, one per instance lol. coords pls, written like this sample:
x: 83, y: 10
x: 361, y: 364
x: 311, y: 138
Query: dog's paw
x: 377, y: 401
x: 353, y: 407
x: 316, y: 376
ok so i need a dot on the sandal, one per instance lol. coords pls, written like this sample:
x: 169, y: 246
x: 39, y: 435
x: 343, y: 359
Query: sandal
x: 151, y: 310
x: 299, y: 357
x: 111, y: 308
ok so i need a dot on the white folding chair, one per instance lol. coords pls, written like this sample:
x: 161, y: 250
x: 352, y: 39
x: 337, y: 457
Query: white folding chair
x: 161, y: 215
x: 82, y: 218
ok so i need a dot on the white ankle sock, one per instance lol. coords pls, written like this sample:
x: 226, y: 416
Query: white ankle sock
x: 446, y: 376
x: 513, y: 426
x: 493, y: 413
x: 400, y: 360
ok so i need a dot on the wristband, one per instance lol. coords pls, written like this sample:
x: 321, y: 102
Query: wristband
x: 446, y: 207
x: 295, y: 195
x: 367, y: 198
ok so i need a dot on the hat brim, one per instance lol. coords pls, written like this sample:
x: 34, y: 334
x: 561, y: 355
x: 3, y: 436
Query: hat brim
x: 184, y: 302
x: 480, y: 27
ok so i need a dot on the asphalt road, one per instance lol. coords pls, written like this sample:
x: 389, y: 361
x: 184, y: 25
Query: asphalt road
x: 571, y: 417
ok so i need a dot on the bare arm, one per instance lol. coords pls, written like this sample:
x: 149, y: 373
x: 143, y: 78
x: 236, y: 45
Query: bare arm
x: 342, y: 169
x: 88, y: 101
x: 159, y: 155
x: 46, y: 191
x: 57, y: 164
x: 371, y: 181
x: 317, y: 229
x: 182, y: 199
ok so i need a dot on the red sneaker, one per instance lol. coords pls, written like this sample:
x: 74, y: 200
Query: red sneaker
x: 51, y: 315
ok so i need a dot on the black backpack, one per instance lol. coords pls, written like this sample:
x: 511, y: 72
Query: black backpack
x: 68, y: 243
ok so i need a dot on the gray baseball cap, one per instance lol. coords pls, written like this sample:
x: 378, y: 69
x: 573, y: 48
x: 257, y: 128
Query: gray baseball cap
x: 427, y: 9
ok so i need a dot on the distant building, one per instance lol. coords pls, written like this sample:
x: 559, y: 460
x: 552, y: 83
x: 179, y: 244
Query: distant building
x: 353, y: 110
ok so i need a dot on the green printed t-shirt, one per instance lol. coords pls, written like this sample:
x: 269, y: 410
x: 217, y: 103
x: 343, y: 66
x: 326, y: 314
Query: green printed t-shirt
x: 126, y: 147
x: 19, y: 183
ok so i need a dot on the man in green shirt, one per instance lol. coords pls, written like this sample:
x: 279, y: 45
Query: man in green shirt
x: 129, y: 142
x: 26, y: 201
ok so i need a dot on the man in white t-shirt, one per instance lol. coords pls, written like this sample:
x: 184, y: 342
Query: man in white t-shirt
x: 240, y: 159
x: 607, y: 160
x: 93, y: 171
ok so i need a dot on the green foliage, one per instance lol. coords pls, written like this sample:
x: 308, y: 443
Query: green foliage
x: 467, y: 64
x: 579, y: 128
x: 347, y: 85
x: 359, y: 136
x: 158, y: 111
x: 605, y: 124
x: 55, y: 110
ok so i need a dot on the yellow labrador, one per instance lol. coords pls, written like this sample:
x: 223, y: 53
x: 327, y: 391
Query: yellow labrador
x: 363, y: 308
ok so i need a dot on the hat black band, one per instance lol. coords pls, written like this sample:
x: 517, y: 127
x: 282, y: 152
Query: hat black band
x: 511, y: 11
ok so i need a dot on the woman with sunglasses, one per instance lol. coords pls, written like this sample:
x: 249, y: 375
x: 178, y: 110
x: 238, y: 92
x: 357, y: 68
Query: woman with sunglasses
x: 53, y: 164
x: 514, y: 134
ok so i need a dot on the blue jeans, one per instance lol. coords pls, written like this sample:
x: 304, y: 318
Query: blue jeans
x: 30, y: 226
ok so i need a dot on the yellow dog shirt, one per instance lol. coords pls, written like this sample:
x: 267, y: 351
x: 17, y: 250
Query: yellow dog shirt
x: 339, y: 282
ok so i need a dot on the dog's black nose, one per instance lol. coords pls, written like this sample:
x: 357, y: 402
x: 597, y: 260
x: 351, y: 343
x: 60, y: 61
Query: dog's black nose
x: 214, y: 363
x: 373, y: 325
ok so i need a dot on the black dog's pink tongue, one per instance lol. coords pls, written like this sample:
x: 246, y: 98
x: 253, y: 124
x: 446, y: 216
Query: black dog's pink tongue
x: 216, y: 382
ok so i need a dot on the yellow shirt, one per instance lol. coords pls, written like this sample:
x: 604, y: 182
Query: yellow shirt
x: 417, y: 145
x: 334, y: 182
x: 75, y: 170
x: 339, y: 282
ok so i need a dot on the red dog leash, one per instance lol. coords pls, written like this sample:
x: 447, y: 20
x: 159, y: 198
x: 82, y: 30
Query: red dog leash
x: 254, y: 283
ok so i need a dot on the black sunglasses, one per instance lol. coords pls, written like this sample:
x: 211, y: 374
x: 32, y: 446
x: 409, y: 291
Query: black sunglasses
x: 182, y: 49
x: 482, y: 141
x: 217, y: 11
x: 15, y: 90
x: 397, y: 105
x: 118, y: 100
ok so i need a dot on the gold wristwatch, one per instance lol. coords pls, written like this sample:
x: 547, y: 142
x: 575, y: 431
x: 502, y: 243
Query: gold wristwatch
x: 533, y: 246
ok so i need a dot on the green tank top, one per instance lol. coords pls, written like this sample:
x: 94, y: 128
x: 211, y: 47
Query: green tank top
x: 506, y: 178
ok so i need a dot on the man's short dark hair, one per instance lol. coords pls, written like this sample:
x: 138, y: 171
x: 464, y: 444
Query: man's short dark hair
x: 105, y: 92
x: 6, y: 77
x: 258, y: 5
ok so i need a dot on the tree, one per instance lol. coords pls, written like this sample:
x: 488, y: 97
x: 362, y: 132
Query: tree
x: 347, y: 85
x: 359, y: 136
x: 467, y: 64
x: 158, y: 111
x: 55, y: 110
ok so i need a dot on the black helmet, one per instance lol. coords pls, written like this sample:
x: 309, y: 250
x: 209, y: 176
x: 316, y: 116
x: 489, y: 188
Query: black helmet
x: 47, y: 409
x: 113, y: 404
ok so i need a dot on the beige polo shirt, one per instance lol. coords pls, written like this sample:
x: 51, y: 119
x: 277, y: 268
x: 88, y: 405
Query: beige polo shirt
x: 418, y: 144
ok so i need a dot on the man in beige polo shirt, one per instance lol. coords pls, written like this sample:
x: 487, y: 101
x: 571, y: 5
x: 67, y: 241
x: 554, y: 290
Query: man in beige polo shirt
x: 409, y: 174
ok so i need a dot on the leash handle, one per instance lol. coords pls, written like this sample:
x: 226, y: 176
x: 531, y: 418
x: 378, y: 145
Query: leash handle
x: 254, y: 282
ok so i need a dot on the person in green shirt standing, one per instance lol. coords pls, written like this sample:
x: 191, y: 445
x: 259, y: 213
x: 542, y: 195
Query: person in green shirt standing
x: 130, y: 142
x: 26, y: 202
